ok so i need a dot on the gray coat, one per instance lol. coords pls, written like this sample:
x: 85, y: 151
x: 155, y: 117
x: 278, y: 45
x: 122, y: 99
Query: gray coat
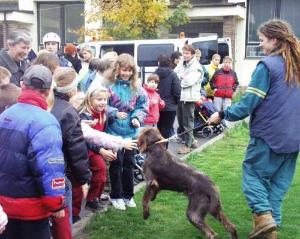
x: 17, y: 70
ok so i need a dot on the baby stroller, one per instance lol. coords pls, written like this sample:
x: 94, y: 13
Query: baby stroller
x: 138, y: 175
x: 203, y: 111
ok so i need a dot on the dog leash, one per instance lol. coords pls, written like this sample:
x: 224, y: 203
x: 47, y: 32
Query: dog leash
x: 178, y: 135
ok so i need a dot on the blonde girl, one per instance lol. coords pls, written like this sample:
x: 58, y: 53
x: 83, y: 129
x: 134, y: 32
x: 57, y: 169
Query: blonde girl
x: 94, y: 110
x: 128, y: 104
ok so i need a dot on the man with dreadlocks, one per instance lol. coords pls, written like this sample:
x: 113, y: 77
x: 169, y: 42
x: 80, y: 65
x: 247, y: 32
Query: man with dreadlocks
x: 272, y: 101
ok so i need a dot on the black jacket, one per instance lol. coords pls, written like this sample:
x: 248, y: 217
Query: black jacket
x: 16, y: 70
x: 75, y: 62
x: 169, y: 87
x: 74, y: 145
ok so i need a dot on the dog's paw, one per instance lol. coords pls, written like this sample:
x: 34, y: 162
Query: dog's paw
x: 146, y: 215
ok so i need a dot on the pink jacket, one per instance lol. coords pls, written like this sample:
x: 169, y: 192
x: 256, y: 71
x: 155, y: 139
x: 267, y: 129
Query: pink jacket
x: 156, y: 104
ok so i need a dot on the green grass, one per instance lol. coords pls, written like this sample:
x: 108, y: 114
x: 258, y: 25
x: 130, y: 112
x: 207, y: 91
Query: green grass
x: 222, y: 162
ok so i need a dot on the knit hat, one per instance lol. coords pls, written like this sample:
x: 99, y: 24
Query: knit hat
x: 65, y: 79
x: 70, y: 48
x: 38, y: 76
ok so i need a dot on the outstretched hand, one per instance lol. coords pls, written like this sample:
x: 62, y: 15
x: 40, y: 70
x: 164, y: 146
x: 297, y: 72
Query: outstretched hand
x: 129, y: 144
x: 214, y: 118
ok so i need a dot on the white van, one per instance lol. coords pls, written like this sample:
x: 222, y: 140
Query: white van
x: 146, y: 52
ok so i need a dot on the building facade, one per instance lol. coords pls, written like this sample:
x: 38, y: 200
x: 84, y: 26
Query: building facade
x: 236, y: 19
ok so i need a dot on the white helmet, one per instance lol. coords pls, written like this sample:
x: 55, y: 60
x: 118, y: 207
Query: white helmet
x: 51, y: 37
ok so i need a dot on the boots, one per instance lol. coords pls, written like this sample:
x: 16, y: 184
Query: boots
x: 263, y: 224
x: 270, y: 235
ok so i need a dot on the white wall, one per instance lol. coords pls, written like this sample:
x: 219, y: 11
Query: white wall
x: 243, y: 67
x: 26, y: 5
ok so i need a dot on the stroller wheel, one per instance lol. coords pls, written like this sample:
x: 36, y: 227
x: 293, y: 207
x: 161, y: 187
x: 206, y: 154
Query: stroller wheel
x: 218, y: 129
x: 207, y: 132
x: 138, y: 176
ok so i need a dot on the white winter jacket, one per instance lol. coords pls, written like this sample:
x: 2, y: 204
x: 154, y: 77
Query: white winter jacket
x: 190, y: 75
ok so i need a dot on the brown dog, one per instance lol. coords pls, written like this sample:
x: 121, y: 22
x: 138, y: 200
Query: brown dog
x: 163, y: 172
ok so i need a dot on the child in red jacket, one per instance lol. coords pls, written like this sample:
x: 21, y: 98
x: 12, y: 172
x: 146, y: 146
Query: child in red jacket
x: 224, y: 83
x: 156, y: 104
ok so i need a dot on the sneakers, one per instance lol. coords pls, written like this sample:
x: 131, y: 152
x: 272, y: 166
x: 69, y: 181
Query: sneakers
x: 129, y: 202
x: 194, y: 145
x: 184, y: 150
x: 118, y: 203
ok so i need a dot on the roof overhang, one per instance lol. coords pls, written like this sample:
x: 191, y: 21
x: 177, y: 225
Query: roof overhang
x: 217, y: 11
x: 18, y: 16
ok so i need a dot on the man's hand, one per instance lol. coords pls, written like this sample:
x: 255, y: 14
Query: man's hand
x: 214, y: 118
x: 108, y: 154
x: 59, y: 214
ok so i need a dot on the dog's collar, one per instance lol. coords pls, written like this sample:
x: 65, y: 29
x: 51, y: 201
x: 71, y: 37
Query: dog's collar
x: 161, y: 141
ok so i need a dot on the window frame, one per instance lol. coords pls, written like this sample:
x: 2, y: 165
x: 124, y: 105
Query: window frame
x: 62, y: 22
x: 250, y: 43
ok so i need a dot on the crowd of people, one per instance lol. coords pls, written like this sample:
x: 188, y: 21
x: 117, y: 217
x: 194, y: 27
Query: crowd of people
x: 69, y: 122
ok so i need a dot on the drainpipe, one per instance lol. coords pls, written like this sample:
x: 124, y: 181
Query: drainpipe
x: 4, y: 30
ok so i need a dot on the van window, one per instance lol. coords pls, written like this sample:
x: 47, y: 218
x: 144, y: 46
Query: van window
x: 223, y: 50
x: 93, y: 50
x: 147, y: 54
x: 123, y: 48
x: 207, y: 48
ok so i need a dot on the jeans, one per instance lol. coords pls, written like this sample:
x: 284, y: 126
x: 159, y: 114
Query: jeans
x: 185, y: 115
x: 267, y: 177
x: 222, y: 103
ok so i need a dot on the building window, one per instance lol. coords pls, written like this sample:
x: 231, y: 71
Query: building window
x: 61, y: 18
x: 260, y: 11
x: 196, y: 28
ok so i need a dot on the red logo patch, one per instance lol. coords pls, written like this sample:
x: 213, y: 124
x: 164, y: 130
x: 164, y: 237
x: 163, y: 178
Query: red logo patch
x: 58, y: 183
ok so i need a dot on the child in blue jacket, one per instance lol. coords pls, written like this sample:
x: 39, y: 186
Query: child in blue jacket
x: 129, y: 106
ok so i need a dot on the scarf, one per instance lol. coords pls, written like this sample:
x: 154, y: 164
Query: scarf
x: 32, y: 97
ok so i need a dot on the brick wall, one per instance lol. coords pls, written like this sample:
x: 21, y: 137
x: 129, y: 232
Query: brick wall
x: 229, y: 30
